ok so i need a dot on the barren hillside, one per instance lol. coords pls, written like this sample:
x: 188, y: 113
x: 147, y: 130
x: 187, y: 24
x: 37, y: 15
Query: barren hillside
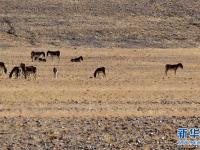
x: 100, y: 23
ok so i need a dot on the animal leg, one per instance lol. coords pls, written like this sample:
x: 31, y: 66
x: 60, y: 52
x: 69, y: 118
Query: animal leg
x: 35, y: 76
x: 58, y: 59
x: 166, y: 72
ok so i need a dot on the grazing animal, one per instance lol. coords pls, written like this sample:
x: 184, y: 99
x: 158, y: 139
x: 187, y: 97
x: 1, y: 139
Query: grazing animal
x: 31, y: 70
x: 40, y: 59
x: 37, y: 54
x: 78, y: 59
x: 55, y: 72
x: 16, y: 70
x: 28, y: 70
x: 3, y: 67
x: 100, y: 70
x: 54, y: 54
x: 172, y: 67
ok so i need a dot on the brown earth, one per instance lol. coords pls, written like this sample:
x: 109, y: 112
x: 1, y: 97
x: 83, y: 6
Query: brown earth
x: 132, y: 133
x: 100, y: 23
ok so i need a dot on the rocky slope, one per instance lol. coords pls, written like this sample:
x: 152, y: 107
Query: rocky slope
x: 100, y: 23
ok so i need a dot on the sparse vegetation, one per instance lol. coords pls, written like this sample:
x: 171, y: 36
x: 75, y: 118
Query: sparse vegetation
x: 139, y: 89
x: 11, y: 29
x: 102, y: 23
x: 134, y: 107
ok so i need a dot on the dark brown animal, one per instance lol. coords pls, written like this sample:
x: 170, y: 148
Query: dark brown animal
x: 37, y: 54
x: 100, y: 70
x: 55, y: 72
x: 78, y: 59
x: 16, y: 71
x: 3, y: 67
x: 54, y: 54
x: 172, y: 67
x: 28, y: 70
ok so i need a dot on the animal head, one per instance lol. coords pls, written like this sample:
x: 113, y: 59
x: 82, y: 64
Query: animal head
x: 22, y: 65
x: 95, y: 74
x: 36, y: 58
x: 180, y: 65
x: 42, y: 59
x: 55, y: 70
x: 5, y: 70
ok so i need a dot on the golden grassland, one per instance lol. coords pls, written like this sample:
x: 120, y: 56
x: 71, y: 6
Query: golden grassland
x: 135, y: 84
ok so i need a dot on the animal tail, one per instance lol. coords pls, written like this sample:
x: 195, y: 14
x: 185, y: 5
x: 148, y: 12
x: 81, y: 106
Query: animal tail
x: 35, y: 72
x: 104, y: 72
x: 166, y: 69
x: 32, y: 53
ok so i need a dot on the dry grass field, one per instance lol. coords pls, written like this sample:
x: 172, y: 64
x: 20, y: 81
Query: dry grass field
x: 135, y: 84
x: 135, y: 107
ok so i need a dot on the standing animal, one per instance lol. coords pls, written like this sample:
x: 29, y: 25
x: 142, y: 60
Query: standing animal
x: 55, y: 72
x: 53, y: 54
x: 3, y: 67
x: 78, y: 59
x: 100, y: 70
x: 37, y: 54
x: 28, y: 70
x: 172, y: 67
x: 16, y: 70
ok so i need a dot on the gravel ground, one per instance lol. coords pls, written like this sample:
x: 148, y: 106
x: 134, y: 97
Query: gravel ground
x: 92, y: 133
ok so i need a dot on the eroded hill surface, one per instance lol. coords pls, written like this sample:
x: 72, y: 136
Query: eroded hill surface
x: 100, y: 23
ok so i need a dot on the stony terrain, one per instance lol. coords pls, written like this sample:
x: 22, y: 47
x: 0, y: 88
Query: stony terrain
x: 146, y: 133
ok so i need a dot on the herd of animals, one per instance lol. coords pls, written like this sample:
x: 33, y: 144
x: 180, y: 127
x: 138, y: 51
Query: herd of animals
x: 26, y: 71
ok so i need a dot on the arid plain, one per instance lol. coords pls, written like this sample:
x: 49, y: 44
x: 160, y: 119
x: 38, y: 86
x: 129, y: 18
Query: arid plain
x: 135, y: 107
x: 135, y: 84
x: 135, y: 100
